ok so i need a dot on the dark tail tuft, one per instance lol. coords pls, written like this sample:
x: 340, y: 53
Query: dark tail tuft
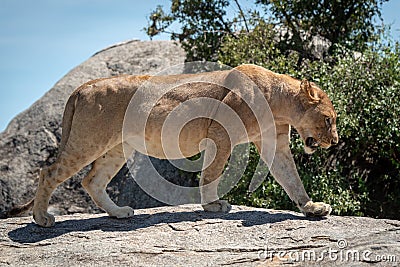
x: 18, y: 210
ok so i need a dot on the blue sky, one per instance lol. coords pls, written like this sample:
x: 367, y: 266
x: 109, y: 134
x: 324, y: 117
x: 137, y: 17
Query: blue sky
x: 41, y: 40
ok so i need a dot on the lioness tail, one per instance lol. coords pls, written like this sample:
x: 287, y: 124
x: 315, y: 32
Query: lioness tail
x: 18, y: 210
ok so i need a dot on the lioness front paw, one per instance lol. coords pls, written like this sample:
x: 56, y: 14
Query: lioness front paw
x: 44, y: 219
x: 316, y: 209
x: 122, y: 212
x: 217, y: 206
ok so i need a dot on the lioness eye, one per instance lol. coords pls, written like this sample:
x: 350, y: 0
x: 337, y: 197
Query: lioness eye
x: 328, y: 122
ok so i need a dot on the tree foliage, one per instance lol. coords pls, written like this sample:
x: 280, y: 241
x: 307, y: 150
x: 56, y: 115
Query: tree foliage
x: 347, y: 22
x: 203, y: 24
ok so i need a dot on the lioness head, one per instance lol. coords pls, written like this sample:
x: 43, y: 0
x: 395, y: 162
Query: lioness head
x: 317, y: 126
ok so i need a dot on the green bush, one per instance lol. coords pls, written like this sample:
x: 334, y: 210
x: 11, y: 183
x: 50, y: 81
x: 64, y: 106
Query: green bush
x: 360, y: 176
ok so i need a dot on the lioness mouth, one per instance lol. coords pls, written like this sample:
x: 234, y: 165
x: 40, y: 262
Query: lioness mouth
x: 312, y: 143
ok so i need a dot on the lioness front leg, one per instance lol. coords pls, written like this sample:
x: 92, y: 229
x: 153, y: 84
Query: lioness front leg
x: 284, y: 171
x: 103, y: 170
x: 210, y: 175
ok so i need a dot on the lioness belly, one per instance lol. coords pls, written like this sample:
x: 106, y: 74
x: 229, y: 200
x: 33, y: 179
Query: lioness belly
x: 173, y: 142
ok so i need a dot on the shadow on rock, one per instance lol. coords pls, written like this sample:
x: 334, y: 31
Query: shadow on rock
x: 32, y: 233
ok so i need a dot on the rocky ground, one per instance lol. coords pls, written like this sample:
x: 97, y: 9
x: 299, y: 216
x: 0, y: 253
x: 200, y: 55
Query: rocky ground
x: 187, y: 236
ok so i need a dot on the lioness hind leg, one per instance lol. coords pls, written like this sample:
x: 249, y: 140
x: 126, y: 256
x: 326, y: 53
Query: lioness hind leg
x: 50, y: 177
x: 103, y: 170
x: 210, y: 176
x: 209, y: 185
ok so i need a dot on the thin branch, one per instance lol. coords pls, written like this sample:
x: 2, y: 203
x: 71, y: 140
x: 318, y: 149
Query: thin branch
x: 242, y: 13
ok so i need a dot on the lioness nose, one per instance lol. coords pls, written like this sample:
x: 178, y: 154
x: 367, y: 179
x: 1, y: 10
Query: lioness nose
x: 335, y: 137
x: 334, y: 141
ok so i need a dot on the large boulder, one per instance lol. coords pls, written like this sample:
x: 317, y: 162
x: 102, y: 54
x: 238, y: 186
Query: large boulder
x: 31, y: 139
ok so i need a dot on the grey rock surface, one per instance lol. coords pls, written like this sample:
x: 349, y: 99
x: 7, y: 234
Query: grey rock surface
x: 187, y: 236
x: 31, y: 139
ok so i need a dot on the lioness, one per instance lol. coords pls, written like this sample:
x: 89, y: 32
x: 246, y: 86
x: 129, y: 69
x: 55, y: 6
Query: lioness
x: 93, y: 122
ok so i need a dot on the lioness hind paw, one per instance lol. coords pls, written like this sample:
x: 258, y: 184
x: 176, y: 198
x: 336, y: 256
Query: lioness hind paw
x: 316, y: 209
x: 44, y: 219
x: 217, y: 206
x: 122, y: 212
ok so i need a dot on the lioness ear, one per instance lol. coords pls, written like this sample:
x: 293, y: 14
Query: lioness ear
x: 310, y: 92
